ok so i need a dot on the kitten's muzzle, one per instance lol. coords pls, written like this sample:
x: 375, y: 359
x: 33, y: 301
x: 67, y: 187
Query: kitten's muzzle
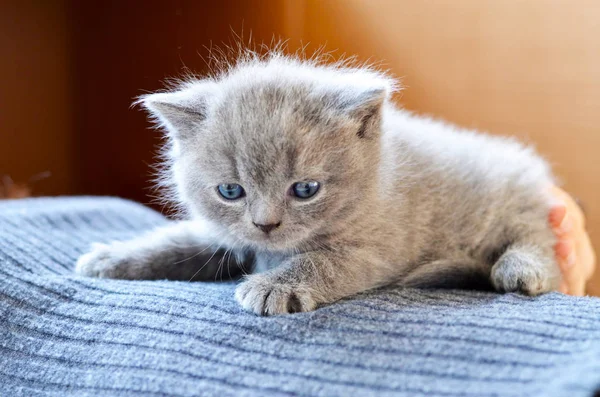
x: 268, y: 227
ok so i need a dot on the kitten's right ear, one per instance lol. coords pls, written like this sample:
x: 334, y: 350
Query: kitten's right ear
x: 180, y: 112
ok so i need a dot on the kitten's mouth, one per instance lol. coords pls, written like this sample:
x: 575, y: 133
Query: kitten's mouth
x: 266, y: 238
x: 274, y: 241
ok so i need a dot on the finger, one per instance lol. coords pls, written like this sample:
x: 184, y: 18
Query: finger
x: 557, y: 215
x: 562, y: 198
x: 566, y: 227
x: 564, y: 251
x: 573, y: 281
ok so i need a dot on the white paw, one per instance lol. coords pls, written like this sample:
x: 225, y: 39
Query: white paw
x: 103, y: 261
x: 263, y: 295
x: 520, y: 273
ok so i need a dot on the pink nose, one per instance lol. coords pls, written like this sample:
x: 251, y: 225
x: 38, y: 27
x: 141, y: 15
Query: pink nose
x: 267, y: 228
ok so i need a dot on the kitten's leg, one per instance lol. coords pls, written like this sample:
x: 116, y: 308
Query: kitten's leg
x: 306, y: 280
x: 181, y: 251
x: 526, y: 268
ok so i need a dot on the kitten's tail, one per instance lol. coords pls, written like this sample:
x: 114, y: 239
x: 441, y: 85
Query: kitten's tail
x: 450, y: 274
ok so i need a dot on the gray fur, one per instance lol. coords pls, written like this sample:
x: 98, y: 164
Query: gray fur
x: 403, y: 198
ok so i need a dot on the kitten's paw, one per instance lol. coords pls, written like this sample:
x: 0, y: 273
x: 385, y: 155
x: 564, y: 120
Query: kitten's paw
x: 103, y: 261
x: 521, y: 272
x: 263, y: 295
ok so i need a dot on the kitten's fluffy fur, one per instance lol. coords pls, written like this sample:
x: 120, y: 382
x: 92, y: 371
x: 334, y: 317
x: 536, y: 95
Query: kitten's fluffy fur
x: 403, y: 199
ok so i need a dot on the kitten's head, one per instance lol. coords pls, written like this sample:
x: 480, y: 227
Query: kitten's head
x: 275, y: 152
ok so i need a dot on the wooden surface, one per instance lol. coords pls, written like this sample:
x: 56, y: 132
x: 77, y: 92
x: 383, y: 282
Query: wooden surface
x: 522, y: 67
x: 120, y: 53
x: 36, y: 131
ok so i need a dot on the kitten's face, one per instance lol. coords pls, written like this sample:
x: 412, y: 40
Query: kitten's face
x: 278, y: 157
x: 275, y: 171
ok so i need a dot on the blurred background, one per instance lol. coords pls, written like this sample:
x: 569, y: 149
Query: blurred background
x: 70, y: 69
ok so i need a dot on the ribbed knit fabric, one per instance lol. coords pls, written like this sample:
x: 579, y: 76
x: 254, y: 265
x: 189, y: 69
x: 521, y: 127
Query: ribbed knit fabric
x: 65, y: 335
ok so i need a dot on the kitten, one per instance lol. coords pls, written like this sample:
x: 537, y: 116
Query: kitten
x: 310, y: 176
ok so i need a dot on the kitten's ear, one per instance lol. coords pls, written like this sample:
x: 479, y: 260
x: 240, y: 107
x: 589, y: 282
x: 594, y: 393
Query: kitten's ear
x: 180, y: 112
x: 365, y: 107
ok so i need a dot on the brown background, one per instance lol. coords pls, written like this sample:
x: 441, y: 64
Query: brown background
x: 70, y: 69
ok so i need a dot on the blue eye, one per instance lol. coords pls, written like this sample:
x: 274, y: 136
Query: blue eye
x: 231, y: 191
x: 305, y: 190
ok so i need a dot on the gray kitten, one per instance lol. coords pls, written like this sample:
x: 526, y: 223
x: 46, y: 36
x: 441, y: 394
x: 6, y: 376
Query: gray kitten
x: 309, y: 175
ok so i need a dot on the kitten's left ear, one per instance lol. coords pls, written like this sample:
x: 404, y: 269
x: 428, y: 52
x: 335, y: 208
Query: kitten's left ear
x: 180, y: 112
x: 364, y: 106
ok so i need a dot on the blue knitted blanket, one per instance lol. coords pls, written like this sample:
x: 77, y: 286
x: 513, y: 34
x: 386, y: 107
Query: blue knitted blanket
x: 64, y: 335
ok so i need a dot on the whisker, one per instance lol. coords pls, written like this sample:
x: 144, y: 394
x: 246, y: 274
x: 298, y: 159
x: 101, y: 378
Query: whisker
x: 228, y: 264
x: 205, y: 263
x: 193, y: 256
x: 220, y: 266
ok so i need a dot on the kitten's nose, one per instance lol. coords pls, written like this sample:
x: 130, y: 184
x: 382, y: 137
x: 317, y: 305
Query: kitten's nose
x: 268, y: 227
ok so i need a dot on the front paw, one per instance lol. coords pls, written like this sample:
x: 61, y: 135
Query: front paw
x: 264, y: 295
x: 103, y: 261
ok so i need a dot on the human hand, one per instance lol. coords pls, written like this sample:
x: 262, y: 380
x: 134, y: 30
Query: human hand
x: 574, y: 252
